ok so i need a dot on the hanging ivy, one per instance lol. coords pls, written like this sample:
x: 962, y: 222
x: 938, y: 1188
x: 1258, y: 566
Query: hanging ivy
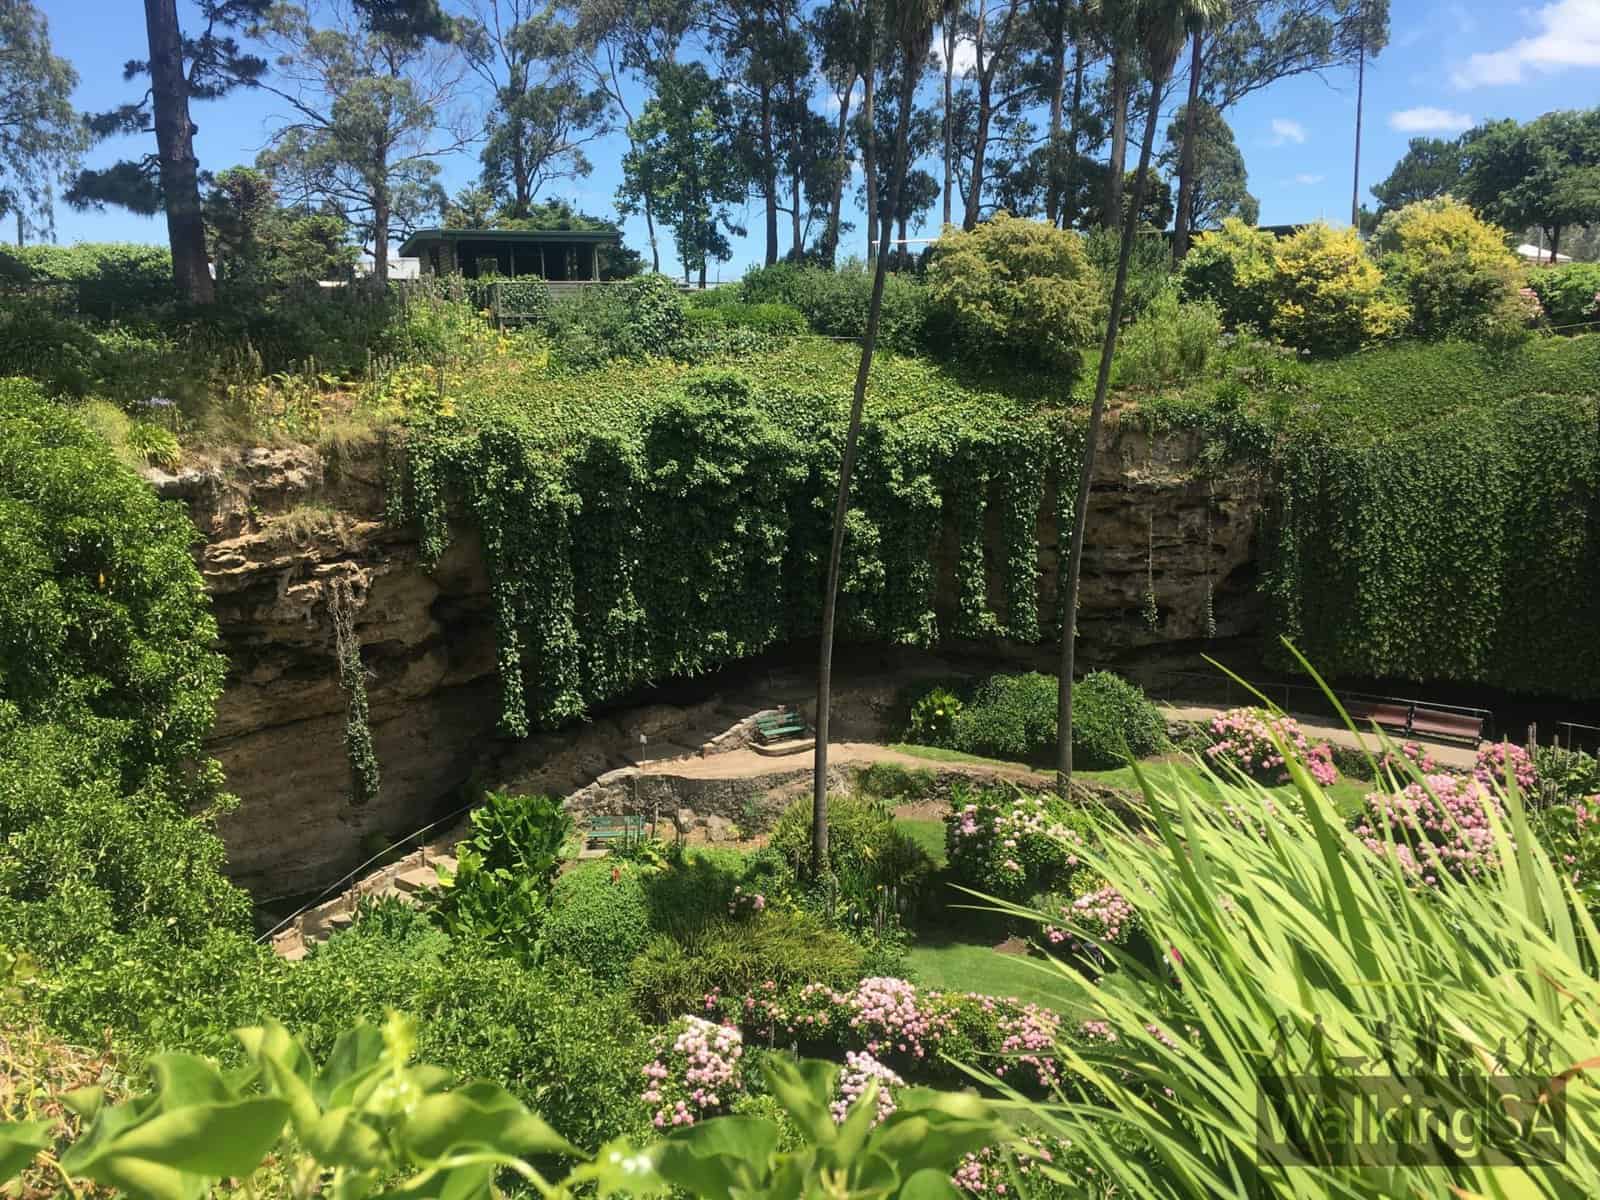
x: 643, y: 528
x: 365, y: 776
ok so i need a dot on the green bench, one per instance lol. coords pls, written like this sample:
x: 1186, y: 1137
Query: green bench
x: 605, y: 830
x: 786, y: 723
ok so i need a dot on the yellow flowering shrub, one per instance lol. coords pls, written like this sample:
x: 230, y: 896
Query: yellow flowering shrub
x: 1455, y: 270
x: 1328, y: 297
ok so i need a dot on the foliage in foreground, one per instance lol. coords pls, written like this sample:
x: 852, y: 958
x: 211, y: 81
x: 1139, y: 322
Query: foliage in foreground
x: 1293, y: 962
x: 367, y: 1121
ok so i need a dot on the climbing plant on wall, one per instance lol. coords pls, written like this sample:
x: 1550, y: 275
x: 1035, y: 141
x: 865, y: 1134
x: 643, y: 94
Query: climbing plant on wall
x: 364, y: 773
x: 662, y: 522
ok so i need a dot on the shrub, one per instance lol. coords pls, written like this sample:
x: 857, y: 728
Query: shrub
x: 1149, y: 267
x: 693, y: 888
x: 106, y: 279
x: 599, y: 919
x: 1498, y: 764
x: 1328, y: 297
x: 1171, y: 342
x: 1565, y: 775
x: 501, y: 885
x: 893, y: 783
x: 933, y: 718
x: 1453, y: 269
x: 1112, y: 721
x: 637, y: 318
x: 1009, y: 716
x: 1010, y: 843
x: 57, y: 352
x: 1014, y: 717
x: 1232, y: 268
x: 1254, y: 741
x: 1013, y: 288
x: 779, y: 320
x: 1436, y: 829
x: 863, y: 843
x: 835, y: 302
x: 1569, y: 293
x: 729, y: 956
x: 695, y: 1073
x: 1570, y: 833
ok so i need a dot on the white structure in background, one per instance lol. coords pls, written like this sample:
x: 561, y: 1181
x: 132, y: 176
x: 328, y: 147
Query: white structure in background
x: 1538, y: 254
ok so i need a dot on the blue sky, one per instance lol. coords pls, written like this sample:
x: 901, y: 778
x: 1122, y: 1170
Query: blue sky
x: 1447, y: 66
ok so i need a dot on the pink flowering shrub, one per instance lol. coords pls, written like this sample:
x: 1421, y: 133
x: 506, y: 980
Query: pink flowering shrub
x: 905, y: 1028
x: 1248, y: 738
x: 1438, y: 828
x: 1011, y: 843
x: 1099, y: 916
x: 745, y: 904
x: 1419, y: 756
x: 1501, y: 762
x: 861, y: 1068
x: 986, y: 1172
x: 695, y: 1072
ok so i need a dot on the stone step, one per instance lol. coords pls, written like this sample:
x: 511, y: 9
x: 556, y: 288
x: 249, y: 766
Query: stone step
x: 294, y: 952
x: 444, y: 862
x: 342, y: 920
x: 779, y: 749
x: 415, y: 880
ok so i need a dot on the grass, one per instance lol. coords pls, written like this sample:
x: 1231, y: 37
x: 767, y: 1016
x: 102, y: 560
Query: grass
x: 927, y: 834
x: 970, y: 967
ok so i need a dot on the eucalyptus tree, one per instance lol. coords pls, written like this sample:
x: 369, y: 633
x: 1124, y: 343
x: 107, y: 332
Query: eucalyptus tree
x: 1158, y: 29
x: 910, y: 24
x: 1218, y: 181
x: 372, y: 108
x: 840, y: 32
x: 41, y: 136
x: 544, y: 109
x: 182, y: 66
x: 766, y: 58
x: 634, y: 40
x: 999, y: 31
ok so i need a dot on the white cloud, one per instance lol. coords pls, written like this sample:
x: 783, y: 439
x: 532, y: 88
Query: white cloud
x: 1285, y: 130
x: 1306, y: 180
x: 1427, y: 119
x: 1466, y: 23
x: 965, y: 58
x: 1568, y: 36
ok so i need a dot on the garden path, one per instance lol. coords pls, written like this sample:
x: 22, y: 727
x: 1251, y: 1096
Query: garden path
x: 1449, y: 754
x: 737, y: 764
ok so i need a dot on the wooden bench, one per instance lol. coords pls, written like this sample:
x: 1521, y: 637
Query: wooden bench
x: 785, y: 724
x: 605, y: 830
x: 1414, y: 719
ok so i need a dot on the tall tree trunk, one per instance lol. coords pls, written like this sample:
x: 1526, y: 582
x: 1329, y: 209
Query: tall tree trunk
x: 1080, y: 513
x: 1116, y: 165
x: 1191, y: 122
x: 868, y: 164
x: 1361, y: 87
x: 1071, y: 168
x: 380, y: 240
x: 980, y: 146
x: 180, y: 172
x: 1058, y: 87
x: 798, y: 247
x: 769, y: 175
x: 841, y: 505
x: 830, y: 236
x: 949, y: 32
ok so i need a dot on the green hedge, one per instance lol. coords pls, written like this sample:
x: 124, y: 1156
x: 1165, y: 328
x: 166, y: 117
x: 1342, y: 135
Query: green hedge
x: 599, y: 919
x: 102, y: 279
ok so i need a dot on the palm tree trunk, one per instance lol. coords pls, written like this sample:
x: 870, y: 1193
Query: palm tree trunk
x: 1097, y: 411
x: 1361, y: 86
x: 1186, y: 156
x: 841, y: 505
x: 1111, y: 212
x: 948, y: 29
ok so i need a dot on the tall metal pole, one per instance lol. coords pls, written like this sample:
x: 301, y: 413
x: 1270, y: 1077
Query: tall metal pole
x: 1361, y: 80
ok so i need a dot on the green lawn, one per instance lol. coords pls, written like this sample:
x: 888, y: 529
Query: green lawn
x: 927, y: 834
x: 966, y: 967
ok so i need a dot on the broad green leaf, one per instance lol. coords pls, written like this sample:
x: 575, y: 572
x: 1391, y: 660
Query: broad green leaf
x: 805, y: 1090
x: 704, y: 1175
x: 20, y: 1142
x: 198, y: 1140
x: 357, y: 1056
x: 619, y: 1169
x: 929, y: 1184
x: 749, y: 1138
x: 340, y: 1139
x: 85, y: 1101
x: 479, y: 1114
x: 185, y: 1079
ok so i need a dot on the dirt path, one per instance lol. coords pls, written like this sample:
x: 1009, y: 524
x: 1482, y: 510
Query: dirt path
x: 740, y: 764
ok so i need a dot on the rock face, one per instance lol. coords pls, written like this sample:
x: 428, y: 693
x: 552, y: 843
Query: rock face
x: 282, y: 526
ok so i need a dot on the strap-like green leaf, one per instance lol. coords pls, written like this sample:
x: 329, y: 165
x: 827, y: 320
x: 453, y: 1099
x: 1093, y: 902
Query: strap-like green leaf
x: 20, y: 1141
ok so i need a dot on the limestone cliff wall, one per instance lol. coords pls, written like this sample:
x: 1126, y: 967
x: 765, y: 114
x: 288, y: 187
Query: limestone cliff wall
x: 281, y: 525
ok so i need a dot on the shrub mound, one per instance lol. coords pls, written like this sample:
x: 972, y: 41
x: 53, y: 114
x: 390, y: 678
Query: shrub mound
x: 599, y: 919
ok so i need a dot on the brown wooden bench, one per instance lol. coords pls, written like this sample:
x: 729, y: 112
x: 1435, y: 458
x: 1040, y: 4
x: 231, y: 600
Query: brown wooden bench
x: 1414, y: 719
